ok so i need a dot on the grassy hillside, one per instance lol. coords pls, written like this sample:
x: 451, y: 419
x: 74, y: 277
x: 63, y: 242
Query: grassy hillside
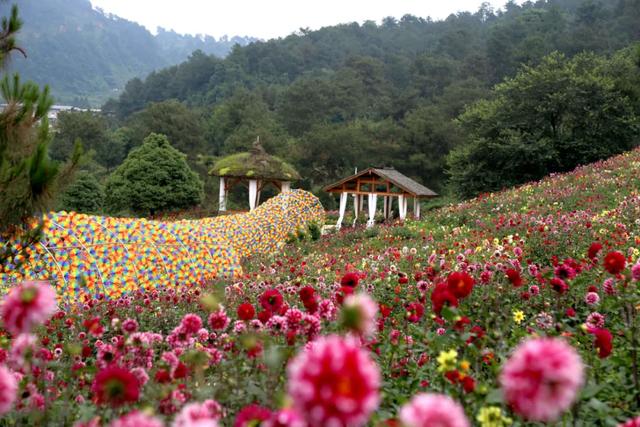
x: 446, y: 305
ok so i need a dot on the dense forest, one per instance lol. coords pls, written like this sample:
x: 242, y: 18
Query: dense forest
x: 476, y: 102
x: 86, y: 55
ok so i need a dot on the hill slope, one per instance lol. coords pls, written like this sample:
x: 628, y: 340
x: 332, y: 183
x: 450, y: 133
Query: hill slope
x: 84, y: 53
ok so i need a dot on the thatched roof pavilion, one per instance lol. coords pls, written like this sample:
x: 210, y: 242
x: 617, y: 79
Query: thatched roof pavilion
x: 255, y: 169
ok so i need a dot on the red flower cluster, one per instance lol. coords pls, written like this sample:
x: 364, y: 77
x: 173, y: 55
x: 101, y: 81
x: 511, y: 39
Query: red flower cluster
x: 115, y: 386
x: 614, y: 262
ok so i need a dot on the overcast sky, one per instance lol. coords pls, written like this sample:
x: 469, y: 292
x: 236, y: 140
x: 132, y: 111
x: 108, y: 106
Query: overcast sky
x: 273, y: 18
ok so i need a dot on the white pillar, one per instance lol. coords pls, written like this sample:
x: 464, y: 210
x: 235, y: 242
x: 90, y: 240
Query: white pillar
x: 222, y: 199
x: 416, y: 208
x: 285, y: 186
x: 343, y: 207
x: 356, y: 208
x: 385, y: 208
x: 372, y: 204
x: 402, y: 207
x: 253, y: 193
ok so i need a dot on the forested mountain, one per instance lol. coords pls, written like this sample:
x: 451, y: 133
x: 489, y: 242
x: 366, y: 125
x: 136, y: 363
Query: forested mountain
x: 406, y: 92
x: 87, y: 55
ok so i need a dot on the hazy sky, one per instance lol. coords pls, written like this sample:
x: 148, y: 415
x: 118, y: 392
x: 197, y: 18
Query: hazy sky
x: 273, y: 18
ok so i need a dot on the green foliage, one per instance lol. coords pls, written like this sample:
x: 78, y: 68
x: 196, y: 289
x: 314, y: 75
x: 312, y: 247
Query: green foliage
x: 87, y: 55
x: 84, y: 195
x: 92, y: 131
x: 10, y: 26
x: 314, y: 230
x: 239, y: 120
x: 183, y: 126
x: 28, y: 177
x: 154, y: 178
x: 254, y: 164
x: 549, y: 118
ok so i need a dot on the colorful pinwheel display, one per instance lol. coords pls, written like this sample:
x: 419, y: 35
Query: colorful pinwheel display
x: 91, y: 255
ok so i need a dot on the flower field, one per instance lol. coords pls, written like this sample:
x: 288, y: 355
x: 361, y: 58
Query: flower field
x: 516, y: 308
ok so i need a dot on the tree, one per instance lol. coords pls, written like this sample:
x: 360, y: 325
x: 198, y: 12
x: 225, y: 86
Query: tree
x: 183, y: 126
x: 548, y: 118
x: 88, y: 127
x: 154, y: 177
x: 28, y: 177
x: 84, y: 195
x: 428, y: 137
x: 236, y: 123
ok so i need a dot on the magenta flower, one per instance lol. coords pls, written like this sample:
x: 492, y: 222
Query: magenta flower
x: 28, y: 305
x: 137, y: 419
x: 333, y: 381
x: 8, y: 389
x: 359, y: 314
x: 634, y: 422
x: 191, y: 323
x: 542, y: 378
x: 430, y: 409
x: 205, y: 414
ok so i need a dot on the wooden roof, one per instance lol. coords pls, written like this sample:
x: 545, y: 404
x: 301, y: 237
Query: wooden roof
x: 385, y: 181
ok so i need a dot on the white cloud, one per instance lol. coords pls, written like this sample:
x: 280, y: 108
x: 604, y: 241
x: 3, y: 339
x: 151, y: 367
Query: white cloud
x: 273, y: 18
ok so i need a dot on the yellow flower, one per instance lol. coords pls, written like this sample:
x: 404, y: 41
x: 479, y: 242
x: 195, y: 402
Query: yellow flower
x: 447, y: 360
x: 465, y: 365
x: 518, y: 316
x: 491, y: 416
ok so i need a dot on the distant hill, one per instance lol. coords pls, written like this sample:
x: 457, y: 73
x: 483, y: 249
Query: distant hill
x: 87, y: 56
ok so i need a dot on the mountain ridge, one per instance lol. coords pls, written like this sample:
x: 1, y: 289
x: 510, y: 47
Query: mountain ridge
x: 87, y: 55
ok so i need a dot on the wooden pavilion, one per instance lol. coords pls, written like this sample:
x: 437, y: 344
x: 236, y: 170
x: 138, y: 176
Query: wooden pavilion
x: 255, y: 169
x: 385, y: 182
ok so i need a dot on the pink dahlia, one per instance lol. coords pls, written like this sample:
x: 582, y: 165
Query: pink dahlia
x: 333, y: 381
x: 28, y: 305
x: 137, y: 419
x: 541, y: 379
x: 191, y: 323
x: 359, y: 314
x: 205, y: 414
x: 634, y: 422
x: 219, y: 320
x: 592, y: 298
x: 430, y: 409
x: 251, y: 415
x: 635, y: 272
x: 8, y: 389
x: 285, y: 418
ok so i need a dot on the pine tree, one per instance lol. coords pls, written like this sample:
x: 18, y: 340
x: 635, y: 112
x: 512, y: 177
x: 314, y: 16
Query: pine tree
x: 28, y: 177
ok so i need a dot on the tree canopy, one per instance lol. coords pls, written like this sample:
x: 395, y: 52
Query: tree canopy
x: 154, y: 178
x: 549, y: 118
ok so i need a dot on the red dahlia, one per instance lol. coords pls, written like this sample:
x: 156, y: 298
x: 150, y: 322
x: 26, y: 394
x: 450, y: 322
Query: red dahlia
x: 440, y: 296
x: 246, y: 311
x: 460, y: 284
x: 514, y: 277
x: 603, y: 342
x: 594, y: 249
x: 559, y: 285
x: 614, y: 262
x: 307, y: 294
x: 415, y: 310
x: 116, y: 386
x: 271, y: 300
x: 350, y: 280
